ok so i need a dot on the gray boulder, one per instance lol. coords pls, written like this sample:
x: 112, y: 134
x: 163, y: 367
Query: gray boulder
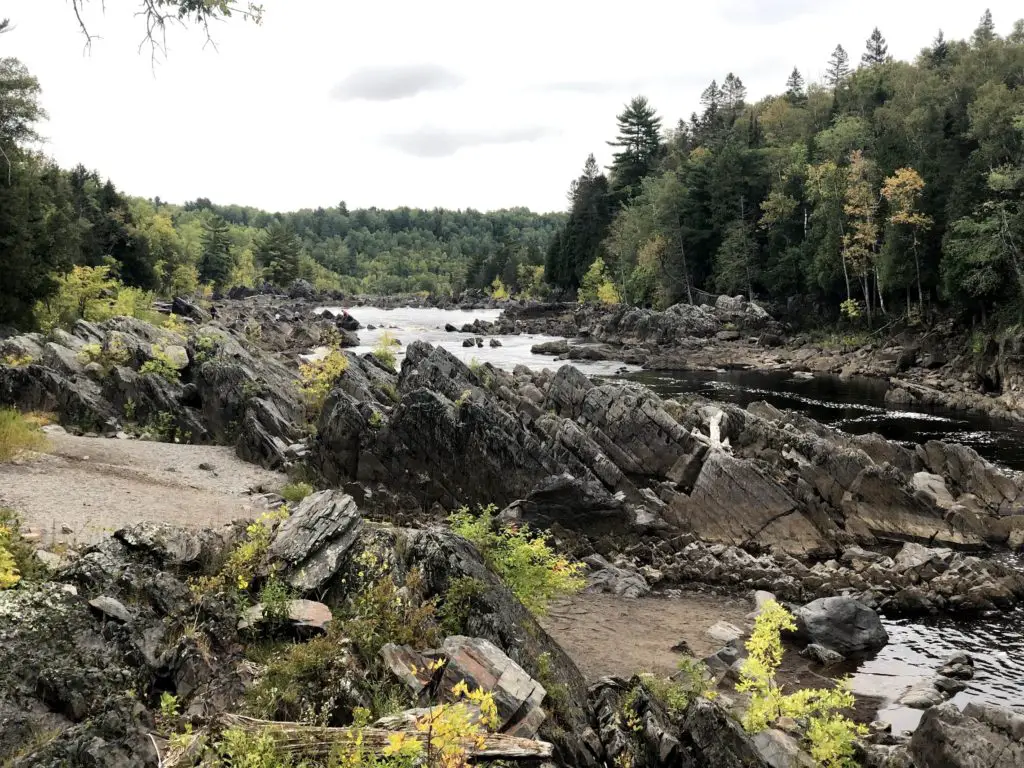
x: 314, y: 540
x: 843, y: 625
x: 981, y: 735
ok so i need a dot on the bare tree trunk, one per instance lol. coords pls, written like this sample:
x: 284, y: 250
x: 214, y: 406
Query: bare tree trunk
x: 879, y: 293
x: 917, y: 265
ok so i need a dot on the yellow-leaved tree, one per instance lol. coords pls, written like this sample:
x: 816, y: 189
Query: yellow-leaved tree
x: 903, y: 192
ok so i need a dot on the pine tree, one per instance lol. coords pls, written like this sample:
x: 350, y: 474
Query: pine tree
x: 838, y: 68
x: 733, y: 92
x: 795, y: 87
x: 939, y: 51
x: 986, y: 31
x: 876, y: 52
x: 639, y: 141
x: 216, y: 262
x: 277, y: 251
x: 576, y: 246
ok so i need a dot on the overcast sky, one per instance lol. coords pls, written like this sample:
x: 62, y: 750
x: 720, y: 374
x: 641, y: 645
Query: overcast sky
x: 394, y: 102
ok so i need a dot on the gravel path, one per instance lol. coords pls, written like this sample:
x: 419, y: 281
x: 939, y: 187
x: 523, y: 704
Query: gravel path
x: 92, y: 486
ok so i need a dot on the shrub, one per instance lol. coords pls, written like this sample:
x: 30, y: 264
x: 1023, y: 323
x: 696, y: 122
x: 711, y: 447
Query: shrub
x: 17, y: 557
x: 17, y: 361
x: 376, y: 420
x: 597, y: 286
x: 239, y: 570
x: 205, y: 348
x: 498, y: 290
x: 161, y: 365
x: 109, y: 354
x: 457, y: 603
x: 692, y: 681
x: 296, y: 492
x: 90, y: 293
x: 318, y: 378
x: 384, y: 351
x: 850, y: 309
x: 830, y: 736
x: 18, y: 434
x: 534, y: 572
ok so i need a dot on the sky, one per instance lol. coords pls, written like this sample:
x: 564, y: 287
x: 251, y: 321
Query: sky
x: 394, y: 102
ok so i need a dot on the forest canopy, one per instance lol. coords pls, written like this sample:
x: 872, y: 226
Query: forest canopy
x: 889, y: 187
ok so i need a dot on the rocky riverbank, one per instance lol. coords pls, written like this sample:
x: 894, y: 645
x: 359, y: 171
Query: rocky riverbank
x: 940, y: 366
x: 651, y: 493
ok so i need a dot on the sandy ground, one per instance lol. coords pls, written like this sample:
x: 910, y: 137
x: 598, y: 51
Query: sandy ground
x: 96, y: 485
x: 608, y: 635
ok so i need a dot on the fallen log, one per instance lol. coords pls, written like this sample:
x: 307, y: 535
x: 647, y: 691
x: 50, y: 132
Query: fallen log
x: 319, y: 742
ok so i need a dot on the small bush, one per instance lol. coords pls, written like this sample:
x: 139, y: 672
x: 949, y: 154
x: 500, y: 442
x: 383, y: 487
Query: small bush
x: 239, y: 571
x: 318, y: 378
x: 161, y: 365
x: 457, y: 603
x: 18, y: 434
x: 275, y: 597
x: 17, y: 361
x: 206, y: 348
x: 692, y: 681
x: 385, y: 352
x: 830, y: 736
x: 850, y: 309
x: 498, y: 290
x: 376, y: 420
x: 90, y: 293
x: 21, y: 560
x: 108, y: 355
x: 534, y: 572
x: 293, y: 493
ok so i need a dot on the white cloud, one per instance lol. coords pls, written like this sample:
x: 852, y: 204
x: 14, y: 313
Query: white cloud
x: 505, y: 100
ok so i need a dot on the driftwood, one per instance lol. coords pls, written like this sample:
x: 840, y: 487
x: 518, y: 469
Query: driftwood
x: 312, y: 742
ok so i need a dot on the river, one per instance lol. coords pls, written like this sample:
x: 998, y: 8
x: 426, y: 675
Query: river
x: 917, y: 647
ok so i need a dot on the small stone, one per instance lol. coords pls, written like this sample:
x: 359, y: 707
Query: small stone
x: 724, y: 632
x: 822, y: 655
x: 949, y: 685
x: 922, y: 696
x: 49, y: 559
x: 66, y: 529
x: 958, y: 671
x: 111, y: 608
x: 207, y: 467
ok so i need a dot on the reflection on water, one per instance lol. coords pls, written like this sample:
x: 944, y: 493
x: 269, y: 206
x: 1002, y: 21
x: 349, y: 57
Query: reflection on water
x: 410, y: 324
x: 856, y: 406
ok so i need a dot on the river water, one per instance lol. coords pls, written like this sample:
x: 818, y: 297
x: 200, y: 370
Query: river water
x: 917, y: 647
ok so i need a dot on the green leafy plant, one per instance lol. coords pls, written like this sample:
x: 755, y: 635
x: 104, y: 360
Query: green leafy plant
x: 535, y: 572
x: 90, y: 293
x: 385, y: 352
x: 850, y: 309
x: 498, y: 290
x: 318, y: 378
x: 463, y: 398
x: 161, y: 365
x: 17, y: 361
x: 17, y: 557
x: 108, y: 355
x: 275, y: 595
x: 239, y: 570
x: 597, y: 285
x: 830, y: 735
x: 376, y: 420
x: 693, y: 680
x: 205, y: 348
x: 457, y: 603
x: 557, y: 692
x: 18, y: 434
x: 293, y: 493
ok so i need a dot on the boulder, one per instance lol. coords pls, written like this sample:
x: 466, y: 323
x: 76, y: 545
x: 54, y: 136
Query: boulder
x: 841, y: 624
x: 311, y: 544
x: 605, y: 577
x: 302, y: 615
x: 981, y: 735
x: 560, y: 347
x: 822, y: 655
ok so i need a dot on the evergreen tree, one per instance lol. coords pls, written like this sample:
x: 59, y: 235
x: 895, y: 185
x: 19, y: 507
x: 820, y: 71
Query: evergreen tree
x: 876, y: 50
x: 576, y: 246
x: 734, y: 93
x: 734, y: 260
x: 838, y: 68
x: 216, y: 262
x: 277, y: 252
x: 795, y: 87
x: 639, y: 143
x: 939, y: 52
x: 986, y: 31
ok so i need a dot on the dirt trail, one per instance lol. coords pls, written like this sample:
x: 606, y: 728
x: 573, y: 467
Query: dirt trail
x: 608, y: 635
x: 95, y: 485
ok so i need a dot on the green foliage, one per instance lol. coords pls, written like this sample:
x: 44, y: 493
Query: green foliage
x: 597, y: 285
x: 239, y: 570
x: 558, y: 694
x: 318, y: 378
x: 17, y: 361
x: 293, y: 493
x: 850, y: 309
x: 463, y: 398
x: 238, y: 748
x: 108, y: 355
x: 457, y: 603
x: 385, y: 350
x: 498, y: 290
x: 277, y: 253
x: 830, y: 735
x: 693, y: 680
x: 206, y: 348
x: 17, y: 556
x: 18, y: 435
x: 275, y: 595
x: 376, y: 420
x: 161, y: 365
x: 527, y: 564
x: 90, y: 293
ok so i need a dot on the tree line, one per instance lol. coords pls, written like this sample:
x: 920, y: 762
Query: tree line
x: 892, y: 186
x: 53, y: 219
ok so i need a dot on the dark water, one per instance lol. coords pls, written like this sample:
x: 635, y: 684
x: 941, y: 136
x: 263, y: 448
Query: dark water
x: 916, y: 647
x: 856, y: 406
